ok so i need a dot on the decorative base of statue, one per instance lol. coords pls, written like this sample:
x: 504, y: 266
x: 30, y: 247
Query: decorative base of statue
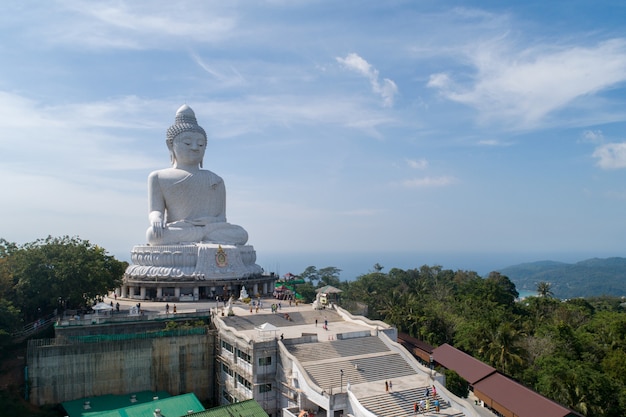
x: 192, y: 262
x: 194, y: 271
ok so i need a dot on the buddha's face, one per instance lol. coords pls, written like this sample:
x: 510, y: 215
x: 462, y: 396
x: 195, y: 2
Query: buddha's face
x: 188, y: 148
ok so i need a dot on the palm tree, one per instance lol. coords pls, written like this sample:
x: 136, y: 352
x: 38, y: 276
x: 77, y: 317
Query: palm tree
x: 503, y: 350
x: 544, y: 289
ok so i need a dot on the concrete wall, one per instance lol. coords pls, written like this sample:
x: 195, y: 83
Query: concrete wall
x: 60, y: 372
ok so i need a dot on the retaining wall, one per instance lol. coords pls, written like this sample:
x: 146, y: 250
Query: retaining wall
x: 59, y: 371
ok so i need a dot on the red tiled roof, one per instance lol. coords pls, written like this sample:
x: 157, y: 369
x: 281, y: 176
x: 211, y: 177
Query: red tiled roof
x: 523, y: 402
x: 404, y: 339
x: 472, y: 370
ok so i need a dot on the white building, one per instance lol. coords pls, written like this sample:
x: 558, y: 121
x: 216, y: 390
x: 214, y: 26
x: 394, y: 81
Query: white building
x: 324, y: 362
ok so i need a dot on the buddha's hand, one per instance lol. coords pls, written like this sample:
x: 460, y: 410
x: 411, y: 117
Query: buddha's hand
x: 156, y: 222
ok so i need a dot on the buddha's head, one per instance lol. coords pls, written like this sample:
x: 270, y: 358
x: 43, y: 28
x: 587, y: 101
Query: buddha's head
x: 186, y: 135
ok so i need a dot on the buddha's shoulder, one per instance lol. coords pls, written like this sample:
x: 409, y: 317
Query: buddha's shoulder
x: 174, y: 174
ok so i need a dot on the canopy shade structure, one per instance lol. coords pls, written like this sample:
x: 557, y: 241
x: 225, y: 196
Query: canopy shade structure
x: 102, y: 307
x: 328, y: 289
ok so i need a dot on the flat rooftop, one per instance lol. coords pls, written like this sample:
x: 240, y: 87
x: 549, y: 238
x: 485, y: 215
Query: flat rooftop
x: 290, y: 322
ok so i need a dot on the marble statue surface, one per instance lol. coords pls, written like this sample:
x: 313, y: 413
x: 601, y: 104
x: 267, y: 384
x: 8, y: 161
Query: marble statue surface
x: 189, y: 238
x: 243, y: 294
x: 187, y: 203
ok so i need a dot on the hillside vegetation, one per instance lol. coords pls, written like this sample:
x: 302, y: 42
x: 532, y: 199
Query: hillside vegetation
x: 589, y: 278
x: 573, y: 352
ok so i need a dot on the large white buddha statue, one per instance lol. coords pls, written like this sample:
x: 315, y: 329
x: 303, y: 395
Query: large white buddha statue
x: 187, y: 203
x: 189, y: 239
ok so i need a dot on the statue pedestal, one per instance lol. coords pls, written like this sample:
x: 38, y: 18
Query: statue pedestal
x: 193, y: 271
x: 192, y: 262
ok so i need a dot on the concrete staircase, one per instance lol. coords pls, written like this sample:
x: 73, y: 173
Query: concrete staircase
x: 364, y: 361
x: 314, y: 352
x: 400, y: 404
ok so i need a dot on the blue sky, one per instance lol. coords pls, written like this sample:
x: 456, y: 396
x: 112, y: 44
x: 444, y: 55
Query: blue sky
x: 483, y: 127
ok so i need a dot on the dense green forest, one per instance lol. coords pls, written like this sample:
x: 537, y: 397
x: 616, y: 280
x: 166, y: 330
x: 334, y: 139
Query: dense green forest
x: 591, y: 277
x: 573, y: 351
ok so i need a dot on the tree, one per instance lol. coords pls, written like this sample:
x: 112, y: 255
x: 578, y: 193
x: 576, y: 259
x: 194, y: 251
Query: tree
x: 9, y: 321
x: 580, y: 386
x: 55, y: 272
x: 329, y: 276
x: 503, y: 289
x: 306, y: 291
x: 544, y: 289
x: 310, y: 275
x: 456, y: 384
x: 503, y: 349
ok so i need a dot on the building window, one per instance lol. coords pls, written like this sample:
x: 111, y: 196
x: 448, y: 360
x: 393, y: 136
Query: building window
x: 265, y: 361
x: 227, y: 370
x: 265, y: 388
x: 227, y: 346
x: 244, y: 382
x: 243, y: 355
x: 229, y: 398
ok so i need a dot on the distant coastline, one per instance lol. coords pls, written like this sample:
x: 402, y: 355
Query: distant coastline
x: 526, y: 293
x: 355, y: 264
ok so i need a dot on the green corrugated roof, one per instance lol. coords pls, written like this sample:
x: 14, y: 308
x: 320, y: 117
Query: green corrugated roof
x: 120, y: 405
x: 248, y: 408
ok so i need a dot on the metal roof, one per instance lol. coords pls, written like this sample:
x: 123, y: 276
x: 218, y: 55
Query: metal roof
x: 472, y: 370
x: 144, y: 405
x: 248, y: 408
x: 522, y: 401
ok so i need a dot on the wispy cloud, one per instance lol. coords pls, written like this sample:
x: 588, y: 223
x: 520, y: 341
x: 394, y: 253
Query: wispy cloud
x: 494, y: 142
x: 429, y: 182
x: 387, y: 89
x: 611, y: 155
x: 521, y: 87
x: 226, y: 79
x: 135, y: 25
x: 417, y: 164
x: 593, y: 136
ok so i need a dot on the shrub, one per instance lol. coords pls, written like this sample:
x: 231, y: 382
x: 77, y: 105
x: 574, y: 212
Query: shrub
x: 456, y: 384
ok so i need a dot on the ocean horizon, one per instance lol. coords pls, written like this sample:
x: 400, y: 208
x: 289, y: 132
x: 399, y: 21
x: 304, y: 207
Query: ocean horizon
x: 355, y: 264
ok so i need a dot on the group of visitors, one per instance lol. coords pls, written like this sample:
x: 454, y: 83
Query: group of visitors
x: 423, y: 405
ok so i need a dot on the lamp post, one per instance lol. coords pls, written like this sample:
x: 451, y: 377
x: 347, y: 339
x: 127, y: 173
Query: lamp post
x: 432, y: 363
x: 341, y: 381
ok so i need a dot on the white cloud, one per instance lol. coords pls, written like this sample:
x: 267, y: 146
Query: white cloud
x: 417, y: 164
x: 593, y: 136
x: 440, y: 80
x: 428, y: 182
x: 522, y: 87
x: 233, y: 78
x: 611, y: 155
x: 494, y: 142
x: 137, y: 25
x: 387, y: 90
